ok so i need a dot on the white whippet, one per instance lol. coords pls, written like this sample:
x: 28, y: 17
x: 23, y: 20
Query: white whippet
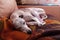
x: 37, y: 15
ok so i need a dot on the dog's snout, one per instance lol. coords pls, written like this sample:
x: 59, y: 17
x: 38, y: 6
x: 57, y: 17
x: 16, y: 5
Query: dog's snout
x: 39, y: 24
x: 29, y: 32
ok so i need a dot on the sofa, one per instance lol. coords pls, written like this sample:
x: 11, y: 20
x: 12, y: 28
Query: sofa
x: 45, y: 32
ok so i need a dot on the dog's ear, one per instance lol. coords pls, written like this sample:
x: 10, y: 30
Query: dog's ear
x: 21, y: 16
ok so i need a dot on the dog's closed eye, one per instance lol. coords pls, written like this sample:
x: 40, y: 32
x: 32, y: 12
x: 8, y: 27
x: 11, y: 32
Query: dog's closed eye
x: 31, y: 20
x: 21, y: 16
x: 24, y: 23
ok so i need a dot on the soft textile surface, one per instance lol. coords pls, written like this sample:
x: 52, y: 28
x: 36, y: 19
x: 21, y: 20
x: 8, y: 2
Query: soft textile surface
x: 9, y: 33
x: 50, y: 31
x: 46, y: 32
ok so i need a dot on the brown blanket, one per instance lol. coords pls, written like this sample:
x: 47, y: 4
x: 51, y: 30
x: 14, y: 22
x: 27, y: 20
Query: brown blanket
x: 50, y: 31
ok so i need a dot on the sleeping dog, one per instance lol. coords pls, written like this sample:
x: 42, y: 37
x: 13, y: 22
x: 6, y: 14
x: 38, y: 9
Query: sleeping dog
x: 31, y: 16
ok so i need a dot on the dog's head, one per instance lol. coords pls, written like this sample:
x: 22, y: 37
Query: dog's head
x: 20, y: 23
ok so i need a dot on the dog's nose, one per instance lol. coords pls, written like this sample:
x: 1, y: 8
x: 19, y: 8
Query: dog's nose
x: 29, y: 32
x: 39, y: 24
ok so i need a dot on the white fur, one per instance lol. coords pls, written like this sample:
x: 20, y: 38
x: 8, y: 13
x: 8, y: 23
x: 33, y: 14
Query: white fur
x: 28, y: 14
x: 37, y: 12
x: 19, y: 23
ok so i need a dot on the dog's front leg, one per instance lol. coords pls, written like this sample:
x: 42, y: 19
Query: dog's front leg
x: 32, y: 23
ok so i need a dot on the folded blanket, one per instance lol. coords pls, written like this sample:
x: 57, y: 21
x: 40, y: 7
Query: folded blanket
x: 50, y: 31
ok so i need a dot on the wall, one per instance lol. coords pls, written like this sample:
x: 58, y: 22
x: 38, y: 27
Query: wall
x: 50, y: 2
x: 40, y: 2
